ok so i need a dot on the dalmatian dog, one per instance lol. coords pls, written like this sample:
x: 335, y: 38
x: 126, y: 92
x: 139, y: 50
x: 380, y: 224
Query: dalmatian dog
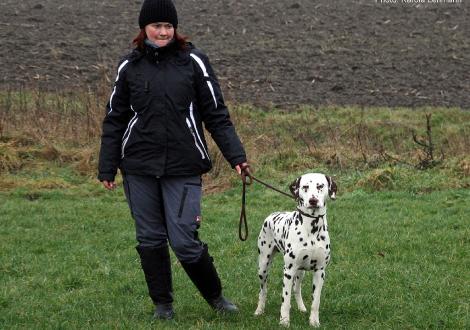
x: 302, y: 238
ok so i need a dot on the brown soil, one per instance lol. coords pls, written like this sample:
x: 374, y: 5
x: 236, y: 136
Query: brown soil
x: 278, y: 52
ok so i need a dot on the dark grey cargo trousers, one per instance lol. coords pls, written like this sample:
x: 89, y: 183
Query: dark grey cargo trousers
x: 166, y: 209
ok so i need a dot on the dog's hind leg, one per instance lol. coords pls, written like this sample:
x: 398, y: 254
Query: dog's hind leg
x: 298, y: 290
x: 318, y: 279
x: 266, y: 250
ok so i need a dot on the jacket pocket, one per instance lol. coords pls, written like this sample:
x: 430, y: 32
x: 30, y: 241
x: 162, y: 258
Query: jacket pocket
x: 191, y: 123
x: 193, y: 133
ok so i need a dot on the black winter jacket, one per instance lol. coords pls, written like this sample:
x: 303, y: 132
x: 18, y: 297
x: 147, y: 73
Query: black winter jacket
x: 155, y: 116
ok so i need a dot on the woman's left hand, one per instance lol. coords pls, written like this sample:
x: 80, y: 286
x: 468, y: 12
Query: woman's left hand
x: 242, y: 167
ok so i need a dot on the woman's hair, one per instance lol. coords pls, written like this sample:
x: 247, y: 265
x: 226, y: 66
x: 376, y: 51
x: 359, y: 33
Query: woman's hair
x: 181, y: 40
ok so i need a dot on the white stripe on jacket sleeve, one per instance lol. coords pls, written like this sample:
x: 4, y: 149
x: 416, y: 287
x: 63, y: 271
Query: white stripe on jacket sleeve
x: 204, y: 71
x: 128, y: 131
x: 123, y: 64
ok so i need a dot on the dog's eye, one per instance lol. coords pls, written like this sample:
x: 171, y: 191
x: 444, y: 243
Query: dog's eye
x: 320, y: 186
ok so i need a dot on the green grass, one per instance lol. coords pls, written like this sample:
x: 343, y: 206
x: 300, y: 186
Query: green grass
x: 400, y: 261
x: 400, y: 236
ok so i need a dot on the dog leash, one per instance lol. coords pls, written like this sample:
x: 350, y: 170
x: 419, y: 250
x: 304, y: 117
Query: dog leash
x: 245, y: 175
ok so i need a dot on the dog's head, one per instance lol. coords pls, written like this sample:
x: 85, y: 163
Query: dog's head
x: 311, y: 191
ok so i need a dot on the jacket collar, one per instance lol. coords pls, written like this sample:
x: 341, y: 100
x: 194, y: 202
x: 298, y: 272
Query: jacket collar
x: 159, y: 53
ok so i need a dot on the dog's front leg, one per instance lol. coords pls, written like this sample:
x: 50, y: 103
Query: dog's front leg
x: 318, y: 278
x: 289, y: 273
x: 298, y: 290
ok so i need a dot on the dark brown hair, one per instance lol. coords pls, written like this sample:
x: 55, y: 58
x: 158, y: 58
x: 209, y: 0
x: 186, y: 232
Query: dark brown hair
x: 181, y: 40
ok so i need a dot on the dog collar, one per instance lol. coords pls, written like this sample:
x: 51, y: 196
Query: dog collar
x: 310, y: 215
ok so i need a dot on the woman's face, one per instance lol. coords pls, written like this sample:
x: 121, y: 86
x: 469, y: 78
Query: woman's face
x: 160, y: 33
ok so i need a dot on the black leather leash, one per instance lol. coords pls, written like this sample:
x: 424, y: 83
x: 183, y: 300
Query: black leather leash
x: 245, y: 175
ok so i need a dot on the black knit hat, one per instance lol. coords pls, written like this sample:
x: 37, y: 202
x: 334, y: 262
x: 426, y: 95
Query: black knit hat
x: 158, y: 11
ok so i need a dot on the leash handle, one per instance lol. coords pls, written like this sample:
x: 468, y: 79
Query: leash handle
x: 245, y: 173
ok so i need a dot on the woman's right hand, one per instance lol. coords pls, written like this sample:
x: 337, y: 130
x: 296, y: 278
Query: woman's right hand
x: 110, y: 185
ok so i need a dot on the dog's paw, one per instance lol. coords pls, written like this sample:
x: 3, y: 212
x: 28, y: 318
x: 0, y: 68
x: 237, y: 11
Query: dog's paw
x: 259, y: 311
x: 302, y: 308
x: 314, y: 322
x: 284, y: 322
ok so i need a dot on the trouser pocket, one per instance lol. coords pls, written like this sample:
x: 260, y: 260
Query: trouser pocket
x: 189, y: 211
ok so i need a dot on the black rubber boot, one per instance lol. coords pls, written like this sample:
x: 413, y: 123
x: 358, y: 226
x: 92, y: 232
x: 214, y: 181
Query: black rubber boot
x: 204, y: 276
x: 164, y: 312
x: 156, y: 265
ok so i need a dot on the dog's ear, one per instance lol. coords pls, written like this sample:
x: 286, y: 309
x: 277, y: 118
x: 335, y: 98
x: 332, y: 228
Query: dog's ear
x: 332, y: 187
x: 294, y: 187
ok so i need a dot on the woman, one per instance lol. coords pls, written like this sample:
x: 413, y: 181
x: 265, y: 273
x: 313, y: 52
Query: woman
x: 164, y: 91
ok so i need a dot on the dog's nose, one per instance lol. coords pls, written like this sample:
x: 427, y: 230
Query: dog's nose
x: 313, y: 201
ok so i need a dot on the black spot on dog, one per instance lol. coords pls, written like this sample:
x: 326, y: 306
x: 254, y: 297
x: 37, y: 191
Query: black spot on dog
x: 301, y: 239
x: 290, y: 266
x: 292, y: 255
x: 288, y: 244
x: 323, y: 275
x: 288, y: 276
x: 322, y: 237
x: 305, y: 257
x: 260, y: 277
x: 327, y: 246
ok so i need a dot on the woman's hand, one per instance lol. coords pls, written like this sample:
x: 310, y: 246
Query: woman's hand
x: 241, y: 167
x: 110, y: 185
